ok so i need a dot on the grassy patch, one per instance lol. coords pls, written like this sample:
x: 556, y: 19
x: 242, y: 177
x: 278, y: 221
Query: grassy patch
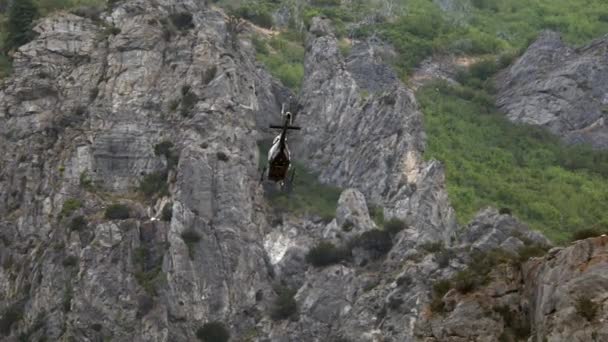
x: 69, y: 206
x: 283, y: 55
x: 309, y: 196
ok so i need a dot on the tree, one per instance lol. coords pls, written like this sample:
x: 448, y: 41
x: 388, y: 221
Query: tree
x: 21, y: 16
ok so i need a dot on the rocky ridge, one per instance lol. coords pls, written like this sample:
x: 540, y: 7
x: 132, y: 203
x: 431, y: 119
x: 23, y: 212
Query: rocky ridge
x: 559, y: 87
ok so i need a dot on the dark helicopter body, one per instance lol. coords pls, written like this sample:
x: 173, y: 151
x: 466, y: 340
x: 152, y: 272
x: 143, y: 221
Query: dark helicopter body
x: 279, y: 162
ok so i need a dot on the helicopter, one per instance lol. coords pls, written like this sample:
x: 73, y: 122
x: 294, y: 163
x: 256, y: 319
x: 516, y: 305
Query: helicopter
x: 279, y: 168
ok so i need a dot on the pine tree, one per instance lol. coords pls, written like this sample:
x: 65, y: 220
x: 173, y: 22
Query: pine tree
x: 21, y: 15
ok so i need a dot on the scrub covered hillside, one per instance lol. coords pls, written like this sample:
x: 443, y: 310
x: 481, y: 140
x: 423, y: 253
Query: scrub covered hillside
x: 490, y: 161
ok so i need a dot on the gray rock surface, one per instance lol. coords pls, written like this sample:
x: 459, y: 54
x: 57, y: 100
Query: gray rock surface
x: 561, y: 88
x: 81, y: 120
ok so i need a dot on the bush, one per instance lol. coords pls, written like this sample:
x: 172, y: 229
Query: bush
x: 213, y: 332
x: 167, y: 212
x: 586, y: 308
x: 432, y: 247
x: 78, y: 223
x: 69, y: 206
x: 324, y: 254
x: 10, y: 316
x: 117, y: 211
x: 166, y: 149
x: 505, y: 211
x: 467, y: 281
x: 375, y: 240
x: 154, y: 183
x: 377, y: 214
x: 394, y: 226
x: 21, y: 16
x: 532, y: 251
x: 70, y: 261
x: 182, y: 21
x: 583, y: 234
x: 258, y: 16
x: 285, y: 305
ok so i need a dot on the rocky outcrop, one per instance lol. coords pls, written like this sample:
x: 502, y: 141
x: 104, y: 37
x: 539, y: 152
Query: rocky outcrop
x: 373, y: 143
x: 81, y: 123
x: 561, y: 88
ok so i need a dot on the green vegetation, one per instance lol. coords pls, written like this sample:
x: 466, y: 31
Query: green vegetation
x: 21, y: 16
x: 583, y: 234
x: 394, y: 226
x: 586, y: 308
x: 285, y: 305
x: 11, y: 315
x: 148, y: 272
x: 117, y: 211
x: 325, y: 254
x: 309, y: 197
x: 213, y: 332
x: 440, y: 288
x: 182, y: 21
x: 154, y: 184
x: 69, y: 206
x: 70, y: 261
x: 166, y: 149
x: 490, y: 161
x: 375, y: 240
x: 517, y: 326
x: 167, y: 212
x: 283, y: 55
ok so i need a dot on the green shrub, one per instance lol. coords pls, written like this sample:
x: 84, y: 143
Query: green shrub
x: 432, y: 247
x: 182, y: 21
x: 586, y: 308
x: 10, y: 316
x: 117, y: 211
x: 213, y: 332
x: 440, y: 288
x: 516, y: 325
x: 583, y: 234
x: 257, y: 15
x: 154, y: 184
x: 70, y: 261
x: 324, y: 254
x: 78, y: 223
x: 166, y: 149
x: 69, y: 206
x: 394, y: 226
x: 285, y: 305
x: 167, y: 212
x: 377, y: 214
x: 375, y: 240
x: 21, y: 16
x: 467, y: 281
x: 533, y: 251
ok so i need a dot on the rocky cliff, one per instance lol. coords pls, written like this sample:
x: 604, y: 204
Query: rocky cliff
x: 130, y: 207
x: 561, y: 88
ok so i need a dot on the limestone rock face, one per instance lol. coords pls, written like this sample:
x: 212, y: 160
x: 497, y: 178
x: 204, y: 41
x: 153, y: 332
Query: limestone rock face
x: 131, y: 210
x: 561, y: 88
x: 372, y: 143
